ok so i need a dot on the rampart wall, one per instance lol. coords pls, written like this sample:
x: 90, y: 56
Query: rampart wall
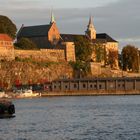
x: 55, y: 55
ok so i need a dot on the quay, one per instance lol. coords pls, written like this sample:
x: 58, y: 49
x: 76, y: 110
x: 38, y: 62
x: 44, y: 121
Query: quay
x: 94, y: 86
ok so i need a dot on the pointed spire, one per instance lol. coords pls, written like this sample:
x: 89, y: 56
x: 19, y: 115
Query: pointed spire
x: 90, y: 24
x: 90, y: 20
x: 91, y: 31
x: 52, y: 18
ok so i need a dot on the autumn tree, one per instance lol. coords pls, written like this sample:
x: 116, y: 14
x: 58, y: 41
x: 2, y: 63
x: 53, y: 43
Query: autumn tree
x: 7, y: 26
x: 112, y: 57
x: 25, y: 44
x: 130, y: 58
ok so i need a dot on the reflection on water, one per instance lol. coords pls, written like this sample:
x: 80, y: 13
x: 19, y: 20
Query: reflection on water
x: 74, y: 118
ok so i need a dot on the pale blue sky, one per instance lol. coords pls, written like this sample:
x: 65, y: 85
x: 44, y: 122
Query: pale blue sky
x: 118, y: 18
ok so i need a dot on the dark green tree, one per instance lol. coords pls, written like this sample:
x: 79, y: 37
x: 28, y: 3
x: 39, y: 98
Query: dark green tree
x: 81, y: 68
x: 120, y: 61
x: 99, y: 50
x: 83, y: 49
x: 7, y: 26
x: 25, y: 44
x: 130, y: 56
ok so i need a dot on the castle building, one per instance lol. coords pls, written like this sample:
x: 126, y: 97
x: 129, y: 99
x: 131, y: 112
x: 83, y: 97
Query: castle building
x: 49, y: 37
x: 6, y: 47
x: 103, y: 40
x: 106, y: 42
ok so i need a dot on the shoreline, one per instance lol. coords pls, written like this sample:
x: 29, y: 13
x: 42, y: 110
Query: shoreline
x: 91, y: 93
x: 81, y: 93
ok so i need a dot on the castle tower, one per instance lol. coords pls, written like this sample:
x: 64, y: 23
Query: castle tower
x: 52, y: 18
x: 91, y: 32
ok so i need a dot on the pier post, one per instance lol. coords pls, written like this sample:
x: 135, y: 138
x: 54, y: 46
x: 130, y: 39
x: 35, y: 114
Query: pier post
x: 106, y: 84
x: 135, y: 84
x: 97, y: 82
x: 88, y: 85
x: 79, y: 85
x: 61, y: 86
x: 116, y: 85
x: 69, y: 85
x: 125, y: 85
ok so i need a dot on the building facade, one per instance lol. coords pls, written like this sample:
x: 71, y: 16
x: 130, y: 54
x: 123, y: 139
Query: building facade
x: 6, y: 47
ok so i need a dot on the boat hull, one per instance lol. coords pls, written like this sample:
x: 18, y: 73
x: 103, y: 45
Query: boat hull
x: 6, y: 116
x: 7, y: 109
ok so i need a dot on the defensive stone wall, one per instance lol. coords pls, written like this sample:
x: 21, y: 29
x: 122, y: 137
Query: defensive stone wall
x: 42, y: 55
x: 69, y: 48
x: 95, y: 68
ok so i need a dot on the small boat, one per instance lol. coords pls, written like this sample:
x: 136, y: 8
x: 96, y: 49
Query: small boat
x: 3, y: 94
x: 7, y: 109
x: 27, y: 93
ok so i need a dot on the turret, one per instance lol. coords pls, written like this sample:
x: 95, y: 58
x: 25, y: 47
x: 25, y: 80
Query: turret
x: 91, y: 32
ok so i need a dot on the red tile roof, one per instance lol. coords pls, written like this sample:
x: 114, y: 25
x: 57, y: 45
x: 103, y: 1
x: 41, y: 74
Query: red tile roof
x: 5, y: 37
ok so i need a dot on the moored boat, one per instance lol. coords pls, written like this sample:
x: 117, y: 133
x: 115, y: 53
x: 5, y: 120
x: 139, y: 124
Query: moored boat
x: 7, y: 109
x: 27, y: 94
x: 3, y: 94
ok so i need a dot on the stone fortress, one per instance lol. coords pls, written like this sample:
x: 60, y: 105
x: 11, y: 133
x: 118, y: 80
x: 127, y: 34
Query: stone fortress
x: 53, y: 45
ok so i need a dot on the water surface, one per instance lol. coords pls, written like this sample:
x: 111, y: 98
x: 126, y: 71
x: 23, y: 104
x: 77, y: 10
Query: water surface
x: 74, y: 118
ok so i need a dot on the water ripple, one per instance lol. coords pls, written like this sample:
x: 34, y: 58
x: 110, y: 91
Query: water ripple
x: 74, y: 118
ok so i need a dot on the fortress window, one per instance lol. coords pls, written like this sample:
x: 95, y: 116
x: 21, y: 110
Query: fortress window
x: 84, y: 85
x: 95, y: 86
x: 75, y: 86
